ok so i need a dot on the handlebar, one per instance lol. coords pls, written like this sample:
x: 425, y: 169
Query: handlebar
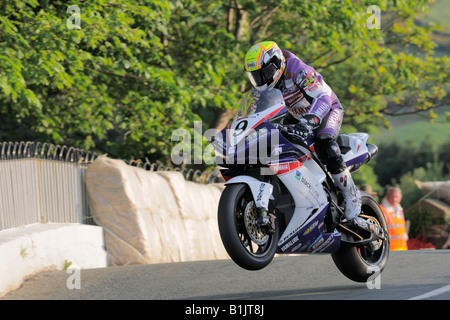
x: 292, y: 131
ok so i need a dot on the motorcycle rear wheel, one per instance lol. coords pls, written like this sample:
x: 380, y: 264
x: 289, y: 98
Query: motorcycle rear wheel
x: 249, y: 246
x: 359, y: 263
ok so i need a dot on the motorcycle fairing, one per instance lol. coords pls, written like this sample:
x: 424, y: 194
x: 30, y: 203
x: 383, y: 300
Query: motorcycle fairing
x: 353, y: 147
x: 311, y: 204
x: 262, y: 144
x: 242, y: 126
x: 310, y: 237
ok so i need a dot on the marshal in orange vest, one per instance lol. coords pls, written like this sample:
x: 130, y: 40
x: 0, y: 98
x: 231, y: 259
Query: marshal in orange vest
x: 395, y: 219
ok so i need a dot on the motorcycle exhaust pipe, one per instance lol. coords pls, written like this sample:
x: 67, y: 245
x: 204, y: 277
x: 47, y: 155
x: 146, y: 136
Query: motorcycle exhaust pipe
x: 372, y: 151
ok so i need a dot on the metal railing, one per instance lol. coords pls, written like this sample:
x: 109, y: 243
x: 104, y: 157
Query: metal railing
x: 189, y: 174
x: 42, y: 182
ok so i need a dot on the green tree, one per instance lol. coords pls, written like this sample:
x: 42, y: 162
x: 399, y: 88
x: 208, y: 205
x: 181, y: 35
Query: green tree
x: 108, y: 85
x: 136, y: 70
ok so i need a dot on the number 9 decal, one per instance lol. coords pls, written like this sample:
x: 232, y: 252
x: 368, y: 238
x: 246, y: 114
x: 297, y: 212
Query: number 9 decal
x: 240, y: 128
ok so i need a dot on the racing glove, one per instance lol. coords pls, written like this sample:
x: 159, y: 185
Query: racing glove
x: 312, y: 120
x: 307, y: 124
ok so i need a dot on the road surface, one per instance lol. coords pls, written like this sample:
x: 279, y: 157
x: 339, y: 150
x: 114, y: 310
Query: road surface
x: 408, y: 275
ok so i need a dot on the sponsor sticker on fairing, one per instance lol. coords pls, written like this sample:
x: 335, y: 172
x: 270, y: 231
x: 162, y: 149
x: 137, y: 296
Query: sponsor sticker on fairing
x: 282, y: 168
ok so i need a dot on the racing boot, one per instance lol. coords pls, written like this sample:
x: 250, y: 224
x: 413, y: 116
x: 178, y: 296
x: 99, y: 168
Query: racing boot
x: 352, y: 196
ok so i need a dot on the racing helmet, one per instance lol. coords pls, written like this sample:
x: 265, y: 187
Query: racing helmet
x: 264, y: 64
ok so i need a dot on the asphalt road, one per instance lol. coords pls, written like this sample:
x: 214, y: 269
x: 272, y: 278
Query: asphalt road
x: 408, y: 275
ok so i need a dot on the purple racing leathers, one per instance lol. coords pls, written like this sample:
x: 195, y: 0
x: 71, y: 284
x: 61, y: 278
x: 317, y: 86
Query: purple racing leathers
x: 305, y: 92
x: 308, y: 96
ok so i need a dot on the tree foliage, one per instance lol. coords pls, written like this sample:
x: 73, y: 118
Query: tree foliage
x: 137, y: 70
x: 395, y: 161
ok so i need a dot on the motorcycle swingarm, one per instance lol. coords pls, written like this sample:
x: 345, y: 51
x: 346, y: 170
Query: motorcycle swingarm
x: 376, y: 233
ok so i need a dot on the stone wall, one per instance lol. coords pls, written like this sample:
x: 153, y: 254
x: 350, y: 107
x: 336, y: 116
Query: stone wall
x: 153, y: 217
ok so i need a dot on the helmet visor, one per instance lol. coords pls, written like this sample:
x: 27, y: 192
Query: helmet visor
x: 269, y: 71
x: 256, y: 78
x: 262, y: 76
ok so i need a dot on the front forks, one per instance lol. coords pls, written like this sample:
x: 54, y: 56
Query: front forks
x: 265, y: 220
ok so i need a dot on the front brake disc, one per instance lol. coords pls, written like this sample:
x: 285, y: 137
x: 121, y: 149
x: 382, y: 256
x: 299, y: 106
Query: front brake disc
x: 256, y: 233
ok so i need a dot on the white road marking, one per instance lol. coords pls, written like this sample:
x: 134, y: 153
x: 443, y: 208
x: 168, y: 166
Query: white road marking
x: 432, y: 293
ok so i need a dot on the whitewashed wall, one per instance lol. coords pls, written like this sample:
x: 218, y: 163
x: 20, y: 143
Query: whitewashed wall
x: 153, y: 217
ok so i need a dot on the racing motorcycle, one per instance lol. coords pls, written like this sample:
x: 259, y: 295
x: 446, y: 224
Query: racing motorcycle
x: 280, y: 199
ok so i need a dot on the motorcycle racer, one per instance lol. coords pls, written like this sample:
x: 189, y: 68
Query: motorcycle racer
x: 312, y: 106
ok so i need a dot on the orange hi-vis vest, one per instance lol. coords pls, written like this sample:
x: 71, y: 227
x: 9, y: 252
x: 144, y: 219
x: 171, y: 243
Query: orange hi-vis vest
x: 396, y: 225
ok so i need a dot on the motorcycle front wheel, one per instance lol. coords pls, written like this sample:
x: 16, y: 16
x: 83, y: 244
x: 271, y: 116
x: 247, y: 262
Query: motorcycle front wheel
x: 250, y: 246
